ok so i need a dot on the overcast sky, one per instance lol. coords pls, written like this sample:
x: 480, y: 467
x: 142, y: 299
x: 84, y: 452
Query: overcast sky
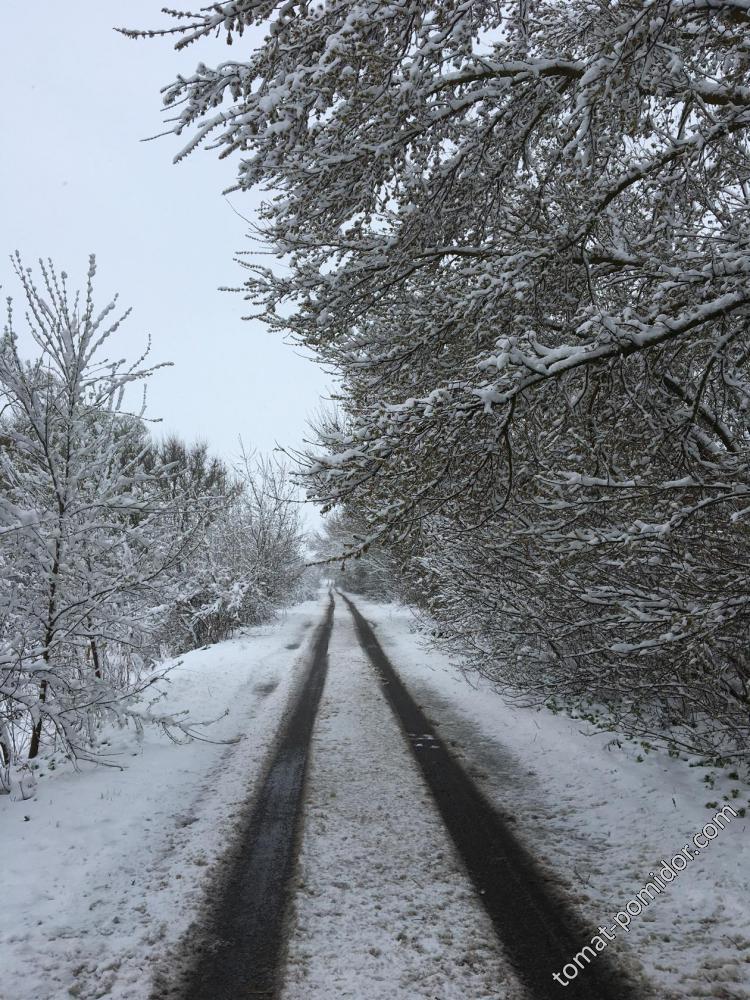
x: 77, y: 98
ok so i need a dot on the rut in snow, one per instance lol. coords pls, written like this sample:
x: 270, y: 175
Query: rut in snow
x: 536, y: 927
x: 242, y: 951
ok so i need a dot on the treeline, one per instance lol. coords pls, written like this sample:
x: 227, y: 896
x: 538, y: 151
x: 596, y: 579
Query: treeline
x: 116, y: 549
x: 520, y: 233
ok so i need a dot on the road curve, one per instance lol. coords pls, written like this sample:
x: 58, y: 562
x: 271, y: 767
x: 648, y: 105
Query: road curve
x: 539, y: 931
x: 243, y: 947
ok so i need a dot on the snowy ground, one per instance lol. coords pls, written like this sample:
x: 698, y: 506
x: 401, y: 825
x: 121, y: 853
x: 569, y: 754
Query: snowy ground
x: 103, y: 870
x: 600, y: 820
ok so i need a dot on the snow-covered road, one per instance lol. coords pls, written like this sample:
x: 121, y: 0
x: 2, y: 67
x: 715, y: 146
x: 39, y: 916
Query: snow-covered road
x: 383, y: 908
x: 104, y: 871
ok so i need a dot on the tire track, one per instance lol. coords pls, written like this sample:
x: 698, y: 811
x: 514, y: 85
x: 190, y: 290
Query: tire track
x: 245, y: 939
x: 539, y: 931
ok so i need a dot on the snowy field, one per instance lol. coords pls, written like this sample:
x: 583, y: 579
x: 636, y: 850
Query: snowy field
x: 600, y: 820
x: 104, y: 869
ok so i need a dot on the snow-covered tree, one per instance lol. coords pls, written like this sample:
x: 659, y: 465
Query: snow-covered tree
x: 80, y: 544
x: 373, y: 572
x: 249, y: 559
x: 520, y: 232
x: 114, y: 548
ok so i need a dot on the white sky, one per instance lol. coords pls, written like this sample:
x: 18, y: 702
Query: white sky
x: 75, y: 179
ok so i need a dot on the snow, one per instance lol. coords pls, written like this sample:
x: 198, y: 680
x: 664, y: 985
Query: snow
x: 104, y: 869
x: 384, y: 910
x: 599, y: 819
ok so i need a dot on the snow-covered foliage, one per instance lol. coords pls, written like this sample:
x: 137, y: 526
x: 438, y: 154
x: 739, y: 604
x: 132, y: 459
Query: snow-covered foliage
x: 101, y: 531
x: 371, y: 572
x: 249, y: 560
x: 521, y: 234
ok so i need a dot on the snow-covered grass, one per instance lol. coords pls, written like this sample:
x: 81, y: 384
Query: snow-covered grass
x: 383, y: 909
x: 600, y: 818
x: 103, y: 870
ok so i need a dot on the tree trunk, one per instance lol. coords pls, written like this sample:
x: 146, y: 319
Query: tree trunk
x: 36, y: 733
x: 95, y: 658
